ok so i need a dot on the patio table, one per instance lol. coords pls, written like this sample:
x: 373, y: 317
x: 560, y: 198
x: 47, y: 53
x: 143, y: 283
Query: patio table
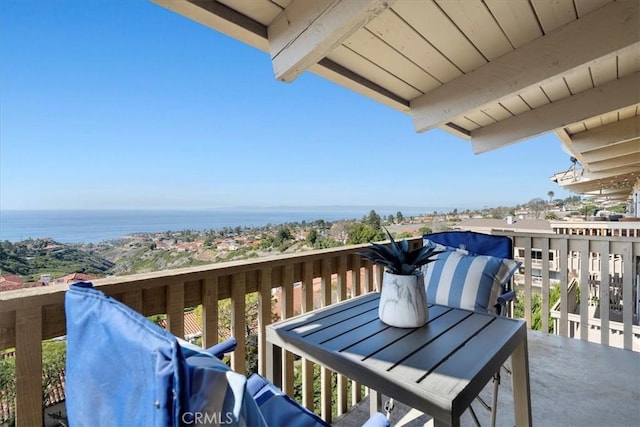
x: 438, y: 369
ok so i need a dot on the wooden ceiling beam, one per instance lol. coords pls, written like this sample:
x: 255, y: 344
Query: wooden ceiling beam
x: 308, y: 31
x: 617, y: 162
x: 609, y: 97
x: 602, y: 136
x: 629, y: 148
x: 608, y: 192
x: 599, y: 34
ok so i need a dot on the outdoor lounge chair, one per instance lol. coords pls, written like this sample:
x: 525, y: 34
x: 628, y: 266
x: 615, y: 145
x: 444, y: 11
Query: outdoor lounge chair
x: 474, y: 272
x: 123, y: 369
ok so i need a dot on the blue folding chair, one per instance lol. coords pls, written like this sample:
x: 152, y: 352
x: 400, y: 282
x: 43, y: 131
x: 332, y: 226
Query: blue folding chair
x: 476, y: 269
x: 123, y: 369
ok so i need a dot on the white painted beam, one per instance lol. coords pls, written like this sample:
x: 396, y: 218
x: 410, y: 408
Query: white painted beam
x: 308, y: 30
x: 630, y: 149
x: 609, y: 29
x: 613, y: 133
x: 608, y: 192
x: 609, y: 97
x: 617, y: 162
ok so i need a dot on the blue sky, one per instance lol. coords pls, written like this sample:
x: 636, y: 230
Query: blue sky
x: 123, y: 104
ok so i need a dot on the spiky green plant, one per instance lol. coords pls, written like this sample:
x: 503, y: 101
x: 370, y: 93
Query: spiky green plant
x: 397, y: 258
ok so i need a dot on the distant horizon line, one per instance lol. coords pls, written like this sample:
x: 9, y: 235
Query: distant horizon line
x: 232, y: 208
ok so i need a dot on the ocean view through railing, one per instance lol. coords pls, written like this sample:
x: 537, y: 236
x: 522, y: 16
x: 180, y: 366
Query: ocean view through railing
x: 29, y: 316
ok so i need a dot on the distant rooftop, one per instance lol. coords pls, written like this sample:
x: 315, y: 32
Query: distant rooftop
x: 522, y: 225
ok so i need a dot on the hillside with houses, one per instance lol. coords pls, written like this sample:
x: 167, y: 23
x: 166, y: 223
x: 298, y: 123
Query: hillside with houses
x: 43, y: 262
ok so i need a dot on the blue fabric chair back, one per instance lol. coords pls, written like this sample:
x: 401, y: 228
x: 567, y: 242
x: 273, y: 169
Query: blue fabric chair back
x: 123, y: 370
x: 477, y: 243
x: 117, y: 359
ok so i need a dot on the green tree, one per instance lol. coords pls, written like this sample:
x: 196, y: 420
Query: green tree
x: 588, y: 209
x: 373, y: 220
x: 363, y: 233
x: 312, y: 236
x: 283, y: 239
x: 425, y: 230
x: 536, y: 206
x: 53, y: 366
x: 326, y: 242
x: 536, y: 308
x: 8, y: 388
x: 400, y: 217
x: 618, y: 209
x: 551, y: 194
x: 390, y: 219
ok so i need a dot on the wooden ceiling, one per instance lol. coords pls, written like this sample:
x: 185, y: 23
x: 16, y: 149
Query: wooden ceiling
x: 494, y: 72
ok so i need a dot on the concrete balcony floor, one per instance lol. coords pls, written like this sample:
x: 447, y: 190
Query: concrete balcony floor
x: 573, y: 383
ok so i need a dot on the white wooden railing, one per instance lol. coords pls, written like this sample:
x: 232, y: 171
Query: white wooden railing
x: 570, y: 247
x: 29, y: 316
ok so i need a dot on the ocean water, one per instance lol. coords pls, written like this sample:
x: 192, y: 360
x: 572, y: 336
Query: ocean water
x: 86, y: 226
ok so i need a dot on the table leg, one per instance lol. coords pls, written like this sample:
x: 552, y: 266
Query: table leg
x: 440, y: 423
x: 274, y: 364
x: 521, y: 390
x: 375, y: 402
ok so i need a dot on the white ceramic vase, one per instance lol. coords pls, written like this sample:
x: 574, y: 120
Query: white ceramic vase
x: 403, y: 300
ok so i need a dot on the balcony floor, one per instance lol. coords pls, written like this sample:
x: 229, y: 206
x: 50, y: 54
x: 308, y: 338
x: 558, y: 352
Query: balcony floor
x: 573, y: 383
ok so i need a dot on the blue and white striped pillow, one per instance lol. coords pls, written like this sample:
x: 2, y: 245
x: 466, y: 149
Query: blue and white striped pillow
x: 458, y: 278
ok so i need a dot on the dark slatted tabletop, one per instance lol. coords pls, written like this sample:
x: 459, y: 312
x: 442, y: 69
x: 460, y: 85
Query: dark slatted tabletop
x: 438, y: 369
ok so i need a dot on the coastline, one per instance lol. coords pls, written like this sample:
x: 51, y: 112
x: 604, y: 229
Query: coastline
x: 96, y: 226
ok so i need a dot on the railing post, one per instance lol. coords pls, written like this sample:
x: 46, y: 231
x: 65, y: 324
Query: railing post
x: 287, y: 312
x: 307, y: 366
x: 356, y: 388
x: 583, y: 247
x: 238, y: 321
x: 564, y: 284
x: 264, y: 316
x: 210, y: 311
x: 342, y: 295
x: 544, y: 247
x: 175, y: 309
x: 29, y: 366
x: 627, y: 295
x: 368, y: 277
x: 605, y: 281
x: 325, y: 374
x: 528, y: 282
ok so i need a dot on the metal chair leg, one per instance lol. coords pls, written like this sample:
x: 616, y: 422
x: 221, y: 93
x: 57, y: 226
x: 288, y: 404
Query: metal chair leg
x: 494, y: 402
x: 474, y: 416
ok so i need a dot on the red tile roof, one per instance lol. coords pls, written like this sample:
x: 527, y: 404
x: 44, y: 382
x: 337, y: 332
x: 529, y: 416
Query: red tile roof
x: 192, y: 328
x: 75, y: 277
